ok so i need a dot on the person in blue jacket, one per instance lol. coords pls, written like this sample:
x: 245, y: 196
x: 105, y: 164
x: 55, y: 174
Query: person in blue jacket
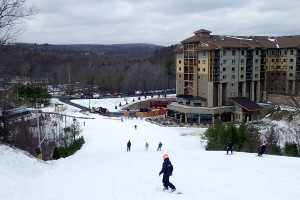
x: 167, y: 169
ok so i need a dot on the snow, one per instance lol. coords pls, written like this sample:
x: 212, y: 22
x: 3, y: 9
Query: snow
x: 111, y: 103
x: 104, y: 170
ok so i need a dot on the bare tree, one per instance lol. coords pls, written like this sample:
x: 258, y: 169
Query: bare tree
x: 13, y: 14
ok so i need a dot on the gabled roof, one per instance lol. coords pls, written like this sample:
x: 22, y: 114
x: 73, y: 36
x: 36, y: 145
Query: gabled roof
x: 246, y: 103
x: 222, y: 41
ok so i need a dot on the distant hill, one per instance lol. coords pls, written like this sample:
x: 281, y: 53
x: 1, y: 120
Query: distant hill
x: 137, y: 48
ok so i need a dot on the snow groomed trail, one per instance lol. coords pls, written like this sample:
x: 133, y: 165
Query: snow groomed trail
x: 104, y: 170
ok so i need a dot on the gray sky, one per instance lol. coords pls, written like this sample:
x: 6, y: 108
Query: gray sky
x: 161, y: 22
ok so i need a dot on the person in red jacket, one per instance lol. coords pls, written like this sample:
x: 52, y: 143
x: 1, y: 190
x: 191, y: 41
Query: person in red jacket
x: 167, y: 169
x: 262, y: 149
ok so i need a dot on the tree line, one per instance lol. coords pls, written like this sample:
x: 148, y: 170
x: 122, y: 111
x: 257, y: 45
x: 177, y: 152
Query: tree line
x: 247, y: 138
x: 147, y: 67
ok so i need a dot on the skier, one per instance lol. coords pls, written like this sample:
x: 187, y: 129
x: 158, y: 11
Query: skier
x: 159, y: 146
x: 167, y: 169
x: 135, y: 126
x: 262, y: 149
x: 146, y: 146
x: 229, y: 147
x: 128, y: 145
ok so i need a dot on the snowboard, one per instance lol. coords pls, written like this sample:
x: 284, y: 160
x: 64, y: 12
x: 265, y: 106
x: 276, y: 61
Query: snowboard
x: 169, y: 191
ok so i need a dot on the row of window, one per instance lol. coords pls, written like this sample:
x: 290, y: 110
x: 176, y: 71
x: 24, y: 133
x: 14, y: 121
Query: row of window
x: 241, y: 76
x: 256, y: 61
x: 279, y: 67
x: 279, y: 60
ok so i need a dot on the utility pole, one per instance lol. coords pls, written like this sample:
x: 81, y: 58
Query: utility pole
x: 40, y: 155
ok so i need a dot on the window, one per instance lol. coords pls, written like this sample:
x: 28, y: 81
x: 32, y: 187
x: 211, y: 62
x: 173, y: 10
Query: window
x: 232, y: 84
x: 277, y: 67
x: 256, y: 61
x: 256, y: 75
x: 233, y: 69
x: 233, y: 77
x: 203, y: 61
x: 284, y: 60
x: 291, y: 60
x: 291, y: 75
x: 232, y: 94
x: 224, y: 77
x: 242, y: 68
x: 233, y: 52
x: 203, y: 69
x: 179, y: 75
x: 256, y: 68
x: 291, y: 67
x: 242, y: 76
x: 273, y: 60
x: 257, y: 52
x: 197, y: 101
x: 224, y: 61
x: 292, y: 52
x: 243, y: 53
x: 198, y: 61
x: 203, y: 77
x: 224, y: 52
x: 204, y: 53
x: 179, y: 68
x: 242, y: 61
x: 272, y: 67
x: 233, y: 62
x: 179, y: 61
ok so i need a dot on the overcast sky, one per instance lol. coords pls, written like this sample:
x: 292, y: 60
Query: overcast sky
x: 161, y: 22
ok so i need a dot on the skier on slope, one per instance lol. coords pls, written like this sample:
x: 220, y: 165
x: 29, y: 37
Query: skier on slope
x: 262, y: 149
x: 167, y: 169
x: 229, y: 147
x: 159, y: 146
x: 128, y: 145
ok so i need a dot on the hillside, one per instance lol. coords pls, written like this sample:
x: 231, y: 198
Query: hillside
x: 103, y: 169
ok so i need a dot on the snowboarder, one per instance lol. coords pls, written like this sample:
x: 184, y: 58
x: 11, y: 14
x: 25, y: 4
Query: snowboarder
x: 146, y: 146
x: 135, y: 126
x: 229, y: 147
x: 262, y: 149
x: 167, y: 169
x: 159, y: 146
x: 128, y: 145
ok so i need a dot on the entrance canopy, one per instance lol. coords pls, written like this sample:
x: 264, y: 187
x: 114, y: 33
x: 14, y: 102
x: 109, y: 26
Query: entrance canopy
x: 246, y: 103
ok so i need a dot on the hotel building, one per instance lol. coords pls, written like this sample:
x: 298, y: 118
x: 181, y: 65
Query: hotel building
x: 228, y: 77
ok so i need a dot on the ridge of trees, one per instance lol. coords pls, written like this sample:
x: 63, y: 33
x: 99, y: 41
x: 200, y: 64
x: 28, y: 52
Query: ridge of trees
x: 112, y: 68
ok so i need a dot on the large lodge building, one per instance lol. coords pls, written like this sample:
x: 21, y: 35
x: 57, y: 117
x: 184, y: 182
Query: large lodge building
x: 229, y: 77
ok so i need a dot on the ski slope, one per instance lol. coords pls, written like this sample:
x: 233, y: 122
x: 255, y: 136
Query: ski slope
x: 104, y: 170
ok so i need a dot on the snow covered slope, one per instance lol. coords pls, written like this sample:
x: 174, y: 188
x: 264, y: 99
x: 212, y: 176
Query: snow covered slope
x: 104, y: 170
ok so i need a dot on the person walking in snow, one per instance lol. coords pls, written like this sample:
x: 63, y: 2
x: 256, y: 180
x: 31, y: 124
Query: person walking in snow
x: 229, y: 147
x: 262, y: 149
x: 128, y: 145
x: 135, y: 126
x: 167, y: 170
x: 146, y: 146
x: 159, y: 146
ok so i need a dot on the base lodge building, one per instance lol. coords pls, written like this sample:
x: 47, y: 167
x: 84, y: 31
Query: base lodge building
x: 229, y: 77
